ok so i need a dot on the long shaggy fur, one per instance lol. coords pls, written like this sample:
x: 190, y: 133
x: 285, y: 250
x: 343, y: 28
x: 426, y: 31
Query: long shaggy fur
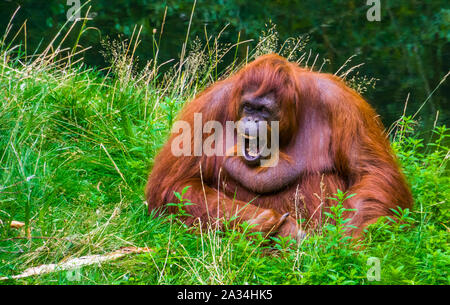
x: 327, y: 131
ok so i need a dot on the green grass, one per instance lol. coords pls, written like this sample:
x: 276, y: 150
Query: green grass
x: 76, y: 147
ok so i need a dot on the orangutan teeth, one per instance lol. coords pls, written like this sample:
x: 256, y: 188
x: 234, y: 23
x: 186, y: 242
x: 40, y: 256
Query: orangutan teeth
x: 252, y: 154
x: 248, y: 136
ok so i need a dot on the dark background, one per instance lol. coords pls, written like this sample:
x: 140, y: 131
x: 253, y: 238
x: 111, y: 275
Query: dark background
x: 407, y: 51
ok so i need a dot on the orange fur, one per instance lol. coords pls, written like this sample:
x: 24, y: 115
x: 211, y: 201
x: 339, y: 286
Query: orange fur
x: 327, y: 129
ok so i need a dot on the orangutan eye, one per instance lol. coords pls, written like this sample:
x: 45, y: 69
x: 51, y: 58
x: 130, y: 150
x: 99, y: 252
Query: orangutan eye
x: 248, y: 108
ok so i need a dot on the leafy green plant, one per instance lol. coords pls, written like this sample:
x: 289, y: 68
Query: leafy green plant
x: 183, y: 203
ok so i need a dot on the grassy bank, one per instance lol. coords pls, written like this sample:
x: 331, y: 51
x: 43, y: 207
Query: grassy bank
x: 76, y: 146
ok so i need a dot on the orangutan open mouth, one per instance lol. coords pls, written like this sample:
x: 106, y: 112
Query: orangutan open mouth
x: 251, y: 150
